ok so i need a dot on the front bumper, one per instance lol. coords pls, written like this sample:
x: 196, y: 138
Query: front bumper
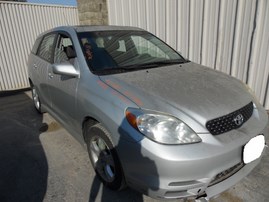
x: 185, y: 171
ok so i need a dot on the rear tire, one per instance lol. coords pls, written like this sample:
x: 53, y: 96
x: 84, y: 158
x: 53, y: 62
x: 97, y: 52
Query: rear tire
x: 36, y: 99
x: 103, y: 156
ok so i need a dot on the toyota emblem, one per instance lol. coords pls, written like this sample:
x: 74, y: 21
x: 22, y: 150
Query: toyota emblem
x: 239, y: 119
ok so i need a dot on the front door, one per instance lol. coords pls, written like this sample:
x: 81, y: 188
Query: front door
x: 63, y: 89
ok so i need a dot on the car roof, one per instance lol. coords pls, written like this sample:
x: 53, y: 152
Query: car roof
x: 90, y: 28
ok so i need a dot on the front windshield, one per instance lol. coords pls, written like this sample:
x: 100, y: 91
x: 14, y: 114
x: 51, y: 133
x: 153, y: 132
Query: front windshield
x: 111, y: 51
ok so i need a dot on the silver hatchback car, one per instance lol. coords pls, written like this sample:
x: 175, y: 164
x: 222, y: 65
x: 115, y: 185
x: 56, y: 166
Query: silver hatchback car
x: 150, y: 119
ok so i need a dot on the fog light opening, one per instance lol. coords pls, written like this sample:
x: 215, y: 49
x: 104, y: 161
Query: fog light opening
x: 202, y: 198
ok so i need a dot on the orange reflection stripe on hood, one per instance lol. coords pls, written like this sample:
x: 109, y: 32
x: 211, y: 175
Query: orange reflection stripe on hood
x: 133, y: 98
x: 102, y: 84
x: 113, y: 85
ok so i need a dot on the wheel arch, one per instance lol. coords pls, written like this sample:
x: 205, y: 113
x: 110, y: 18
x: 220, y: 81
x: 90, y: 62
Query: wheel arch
x: 30, y: 82
x: 91, y: 122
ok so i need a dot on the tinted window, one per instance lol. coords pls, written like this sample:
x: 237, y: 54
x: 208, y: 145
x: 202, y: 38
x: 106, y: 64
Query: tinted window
x: 46, y: 47
x: 63, y: 45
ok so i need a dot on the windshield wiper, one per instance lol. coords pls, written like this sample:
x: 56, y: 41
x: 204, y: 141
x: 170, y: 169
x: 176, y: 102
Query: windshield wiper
x: 123, y: 69
x: 111, y: 70
x: 164, y: 62
x: 134, y: 67
x: 140, y: 66
x: 153, y: 64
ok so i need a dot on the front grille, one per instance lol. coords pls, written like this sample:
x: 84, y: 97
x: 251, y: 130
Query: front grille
x: 225, y: 174
x: 228, y: 122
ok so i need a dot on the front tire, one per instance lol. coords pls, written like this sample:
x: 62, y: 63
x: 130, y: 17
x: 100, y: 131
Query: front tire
x: 103, y: 156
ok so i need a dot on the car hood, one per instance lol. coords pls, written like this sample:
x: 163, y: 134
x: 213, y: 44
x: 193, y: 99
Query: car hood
x: 188, y: 91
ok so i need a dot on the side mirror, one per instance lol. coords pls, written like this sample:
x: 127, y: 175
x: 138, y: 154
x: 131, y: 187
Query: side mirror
x: 65, y: 69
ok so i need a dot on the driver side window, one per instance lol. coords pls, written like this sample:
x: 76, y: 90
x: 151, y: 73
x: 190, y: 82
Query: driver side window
x: 64, y: 50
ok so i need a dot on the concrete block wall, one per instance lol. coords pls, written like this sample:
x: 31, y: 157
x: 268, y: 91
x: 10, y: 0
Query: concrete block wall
x: 93, y: 12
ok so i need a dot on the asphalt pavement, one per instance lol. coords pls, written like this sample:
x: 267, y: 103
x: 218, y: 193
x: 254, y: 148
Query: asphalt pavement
x: 41, y: 161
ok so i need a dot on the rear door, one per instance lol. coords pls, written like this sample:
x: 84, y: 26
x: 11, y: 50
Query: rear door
x: 40, y: 63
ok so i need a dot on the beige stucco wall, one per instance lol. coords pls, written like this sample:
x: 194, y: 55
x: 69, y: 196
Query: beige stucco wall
x: 92, y: 12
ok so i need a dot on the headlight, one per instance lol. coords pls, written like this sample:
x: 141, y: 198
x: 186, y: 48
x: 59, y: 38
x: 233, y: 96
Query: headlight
x: 161, y: 128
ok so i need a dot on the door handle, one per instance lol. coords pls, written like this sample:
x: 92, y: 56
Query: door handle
x: 50, y: 76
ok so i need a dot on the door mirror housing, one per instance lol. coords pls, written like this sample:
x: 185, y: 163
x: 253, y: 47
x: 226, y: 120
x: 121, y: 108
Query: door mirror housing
x: 65, y: 69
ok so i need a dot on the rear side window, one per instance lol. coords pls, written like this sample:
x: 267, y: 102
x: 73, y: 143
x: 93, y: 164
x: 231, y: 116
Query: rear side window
x: 36, y: 45
x: 46, y: 48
